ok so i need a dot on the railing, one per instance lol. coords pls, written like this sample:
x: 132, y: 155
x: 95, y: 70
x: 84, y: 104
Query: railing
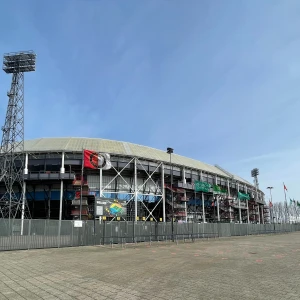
x: 34, y: 234
x: 49, y: 175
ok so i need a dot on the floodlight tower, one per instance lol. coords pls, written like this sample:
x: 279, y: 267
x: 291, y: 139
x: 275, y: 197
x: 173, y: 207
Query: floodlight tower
x: 254, y: 174
x: 13, y: 201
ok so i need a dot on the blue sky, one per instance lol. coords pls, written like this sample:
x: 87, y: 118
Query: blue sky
x: 216, y: 80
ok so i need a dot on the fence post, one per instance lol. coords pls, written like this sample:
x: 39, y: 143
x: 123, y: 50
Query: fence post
x: 29, y: 234
x: 58, y: 234
x: 102, y: 225
x: 133, y: 231
x: 44, y: 234
x: 72, y: 232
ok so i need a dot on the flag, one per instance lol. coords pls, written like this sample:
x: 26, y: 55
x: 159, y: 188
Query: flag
x: 242, y: 196
x: 200, y: 186
x: 270, y: 204
x: 95, y: 160
x: 298, y: 203
x: 216, y: 188
x: 284, y: 187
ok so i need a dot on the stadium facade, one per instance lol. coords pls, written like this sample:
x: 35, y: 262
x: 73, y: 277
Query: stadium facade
x: 139, y: 182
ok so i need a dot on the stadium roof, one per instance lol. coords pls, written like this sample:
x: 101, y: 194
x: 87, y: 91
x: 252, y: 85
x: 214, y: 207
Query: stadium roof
x: 71, y: 144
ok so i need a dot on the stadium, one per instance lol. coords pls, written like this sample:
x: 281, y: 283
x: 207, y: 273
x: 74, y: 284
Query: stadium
x: 52, y: 178
x: 142, y: 184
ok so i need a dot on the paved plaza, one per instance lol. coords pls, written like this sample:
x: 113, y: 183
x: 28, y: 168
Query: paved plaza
x: 254, y: 267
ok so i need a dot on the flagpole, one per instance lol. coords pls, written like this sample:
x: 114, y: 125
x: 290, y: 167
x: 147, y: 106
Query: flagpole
x: 81, y: 182
x: 195, y: 215
x: 285, y: 202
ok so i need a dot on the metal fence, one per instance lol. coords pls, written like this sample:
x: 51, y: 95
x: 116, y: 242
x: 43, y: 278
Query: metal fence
x: 35, y: 234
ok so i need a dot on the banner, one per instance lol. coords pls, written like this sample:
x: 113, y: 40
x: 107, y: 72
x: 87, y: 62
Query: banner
x: 200, y: 186
x: 242, y: 196
x: 110, y: 207
x: 216, y: 189
x: 219, y: 190
x: 95, y: 160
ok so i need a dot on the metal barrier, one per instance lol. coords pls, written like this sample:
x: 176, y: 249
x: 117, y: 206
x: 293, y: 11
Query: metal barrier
x: 35, y: 234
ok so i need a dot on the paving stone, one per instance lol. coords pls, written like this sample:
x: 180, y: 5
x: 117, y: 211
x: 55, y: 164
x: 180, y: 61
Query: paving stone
x: 253, y: 267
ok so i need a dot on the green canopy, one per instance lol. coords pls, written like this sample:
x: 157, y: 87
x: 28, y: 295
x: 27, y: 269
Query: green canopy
x: 202, y: 186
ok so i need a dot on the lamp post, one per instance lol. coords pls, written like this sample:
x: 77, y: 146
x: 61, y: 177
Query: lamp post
x: 170, y: 151
x: 270, y: 188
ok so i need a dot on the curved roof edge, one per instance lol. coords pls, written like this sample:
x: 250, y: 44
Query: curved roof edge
x: 73, y: 144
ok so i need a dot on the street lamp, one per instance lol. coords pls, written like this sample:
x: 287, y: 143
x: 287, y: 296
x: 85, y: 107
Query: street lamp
x: 170, y: 151
x: 270, y: 188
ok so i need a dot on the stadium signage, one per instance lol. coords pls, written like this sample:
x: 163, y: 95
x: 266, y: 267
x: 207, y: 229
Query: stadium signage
x: 201, y: 186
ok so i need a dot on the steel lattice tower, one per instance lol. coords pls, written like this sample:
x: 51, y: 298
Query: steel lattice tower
x: 254, y: 174
x: 13, y: 201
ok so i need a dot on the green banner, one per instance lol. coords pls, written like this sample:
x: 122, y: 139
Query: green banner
x: 224, y: 191
x: 202, y: 186
x: 242, y: 196
x: 219, y: 190
x: 216, y: 189
x: 298, y: 203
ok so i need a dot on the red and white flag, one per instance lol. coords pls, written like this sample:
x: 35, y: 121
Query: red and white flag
x: 96, y: 160
x: 284, y: 187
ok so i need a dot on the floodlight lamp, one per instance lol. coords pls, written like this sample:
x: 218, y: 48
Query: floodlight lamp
x: 19, y: 62
x: 170, y: 150
x: 255, y: 172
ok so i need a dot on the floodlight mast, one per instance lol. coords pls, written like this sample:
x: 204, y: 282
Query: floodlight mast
x: 254, y: 174
x: 13, y: 202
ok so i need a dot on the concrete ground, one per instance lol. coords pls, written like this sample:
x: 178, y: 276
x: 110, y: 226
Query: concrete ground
x: 254, y: 267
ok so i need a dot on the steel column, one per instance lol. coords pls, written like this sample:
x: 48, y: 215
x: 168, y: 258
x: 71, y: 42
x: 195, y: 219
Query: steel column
x: 202, y: 195
x: 240, y: 211
x: 247, y: 206
x: 62, y: 169
x: 218, y: 207
x: 61, y: 199
x: 135, y: 192
x: 203, y: 209
x: 100, y: 182
x: 228, y: 187
x: 163, y: 191
x: 24, y: 193
x: 23, y: 207
x: 26, y: 164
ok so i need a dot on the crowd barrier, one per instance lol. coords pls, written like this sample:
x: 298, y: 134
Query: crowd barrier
x: 35, y: 234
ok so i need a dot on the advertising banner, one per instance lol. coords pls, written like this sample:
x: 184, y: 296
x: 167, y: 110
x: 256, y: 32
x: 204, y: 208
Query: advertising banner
x: 110, y: 207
